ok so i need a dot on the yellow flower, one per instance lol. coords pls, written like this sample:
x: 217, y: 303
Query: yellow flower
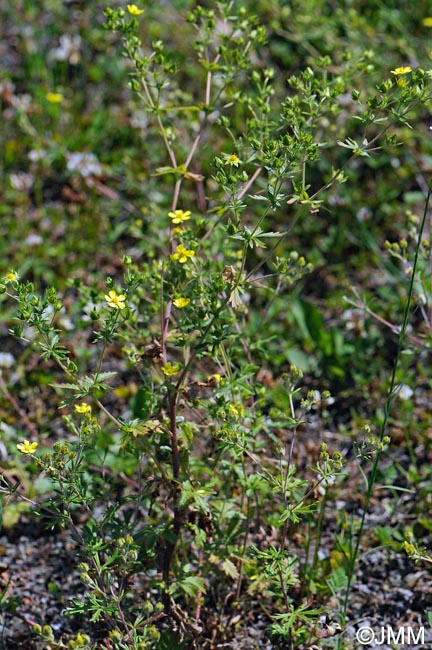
x: 82, y: 638
x: 232, y: 159
x: 427, y: 22
x: 181, y: 255
x: 215, y: 378
x: 12, y: 276
x: 82, y: 408
x: 409, y: 548
x: 181, y: 302
x: 178, y: 216
x: 115, y: 300
x: 170, y: 369
x: 404, y: 70
x: 236, y: 411
x: 54, y: 98
x: 27, y: 447
x: 133, y: 9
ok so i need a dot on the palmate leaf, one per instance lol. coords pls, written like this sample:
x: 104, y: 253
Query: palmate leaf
x: 255, y: 237
x: 191, y: 585
x: 85, y: 386
x: 296, y: 512
x: 230, y: 569
x: 143, y: 427
x: 52, y: 349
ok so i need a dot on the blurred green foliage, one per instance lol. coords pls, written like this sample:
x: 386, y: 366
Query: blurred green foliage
x: 307, y: 132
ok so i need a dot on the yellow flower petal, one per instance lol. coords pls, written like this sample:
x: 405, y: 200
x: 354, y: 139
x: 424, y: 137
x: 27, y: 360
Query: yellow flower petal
x: 12, y: 276
x: 82, y: 408
x: 181, y: 255
x: 54, y: 98
x: 134, y: 11
x: 170, y: 369
x: 181, y: 302
x: 232, y: 159
x: 403, y: 70
x: 234, y: 410
x: 27, y: 447
x: 115, y: 300
x: 178, y: 216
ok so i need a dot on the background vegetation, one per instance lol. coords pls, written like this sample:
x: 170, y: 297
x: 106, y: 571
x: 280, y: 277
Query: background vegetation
x: 216, y: 315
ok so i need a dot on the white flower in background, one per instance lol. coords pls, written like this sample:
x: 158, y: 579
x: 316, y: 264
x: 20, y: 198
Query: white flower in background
x: 7, y: 360
x: 364, y: 214
x: 354, y: 319
x: 68, y: 50
x: 139, y: 120
x: 33, y: 239
x: 89, y: 309
x: 7, y: 87
x: 325, y: 483
x: 36, y: 155
x: 21, y: 181
x: 405, y: 392
x: 85, y: 164
x: 22, y: 102
x: 66, y: 323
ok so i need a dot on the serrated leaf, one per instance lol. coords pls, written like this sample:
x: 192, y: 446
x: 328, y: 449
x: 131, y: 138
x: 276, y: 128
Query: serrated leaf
x: 271, y: 234
x: 192, y: 585
x: 84, y: 385
x: 102, y: 376
x: 145, y: 428
x: 259, y: 197
x: 66, y: 386
x: 230, y: 569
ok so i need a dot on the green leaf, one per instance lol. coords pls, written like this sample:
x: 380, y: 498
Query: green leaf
x: 179, y: 171
x: 85, y: 386
x: 230, y: 569
x: 191, y: 585
x: 338, y: 580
